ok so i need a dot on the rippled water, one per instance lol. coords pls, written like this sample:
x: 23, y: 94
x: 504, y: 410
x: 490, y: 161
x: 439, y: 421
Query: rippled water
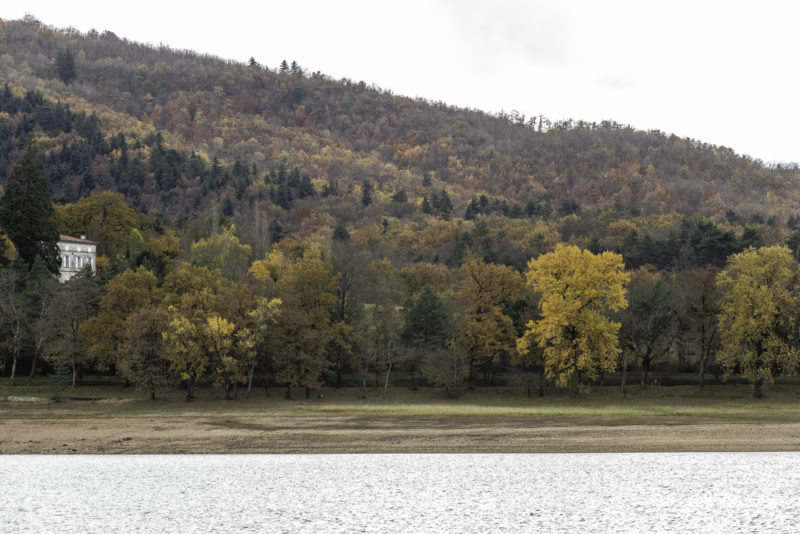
x: 685, y: 492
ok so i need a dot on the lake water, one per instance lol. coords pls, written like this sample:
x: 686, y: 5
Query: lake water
x: 409, y: 493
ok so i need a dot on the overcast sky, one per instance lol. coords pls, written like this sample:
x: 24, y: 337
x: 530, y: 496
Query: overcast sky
x: 723, y: 72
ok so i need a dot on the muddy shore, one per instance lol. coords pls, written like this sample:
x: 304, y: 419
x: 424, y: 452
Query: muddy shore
x: 203, y: 434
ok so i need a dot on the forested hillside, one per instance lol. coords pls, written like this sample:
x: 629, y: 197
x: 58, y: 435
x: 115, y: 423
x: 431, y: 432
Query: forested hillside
x: 251, y: 179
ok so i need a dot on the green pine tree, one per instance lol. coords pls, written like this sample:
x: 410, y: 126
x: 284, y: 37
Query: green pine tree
x: 366, y: 192
x: 306, y: 188
x: 3, y: 250
x: 65, y: 66
x: 444, y: 205
x: 26, y: 211
x: 426, y: 206
x: 426, y: 321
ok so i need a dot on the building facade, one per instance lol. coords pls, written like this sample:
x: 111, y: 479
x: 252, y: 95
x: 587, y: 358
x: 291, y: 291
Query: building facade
x: 76, y: 253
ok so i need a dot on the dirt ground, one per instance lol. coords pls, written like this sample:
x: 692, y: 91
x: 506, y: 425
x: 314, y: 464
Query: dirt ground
x: 204, y: 434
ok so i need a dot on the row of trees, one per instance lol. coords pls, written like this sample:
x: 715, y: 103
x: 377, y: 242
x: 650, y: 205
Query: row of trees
x: 303, y: 316
x: 313, y: 306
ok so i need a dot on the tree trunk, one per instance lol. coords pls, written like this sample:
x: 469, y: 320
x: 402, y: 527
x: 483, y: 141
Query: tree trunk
x: 388, y: 368
x: 13, y: 368
x: 375, y: 359
x: 152, y: 394
x: 541, y: 381
x: 33, y: 366
x: 74, y: 373
x: 528, y: 384
x: 702, y: 371
x: 471, y: 372
x: 645, y: 368
x: 386, y: 383
x: 574, y: 386
x: 16, y: 334
x: 288, y: 392
x: 308, y: 392
x: 757, y: 387
x: 364, y: 373
x: 622, y: 393
x: 190, y: 389
x: 250, y: 380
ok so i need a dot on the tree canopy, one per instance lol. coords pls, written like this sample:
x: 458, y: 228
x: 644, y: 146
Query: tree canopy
x: 578, y: 291
x: 758, y: 314
x: 26, y: 211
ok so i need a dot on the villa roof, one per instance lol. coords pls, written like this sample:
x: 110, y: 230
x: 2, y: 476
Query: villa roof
x: 69, y: 239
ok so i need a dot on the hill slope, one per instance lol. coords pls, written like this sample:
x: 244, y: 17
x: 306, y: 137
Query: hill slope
x: 184, y: 135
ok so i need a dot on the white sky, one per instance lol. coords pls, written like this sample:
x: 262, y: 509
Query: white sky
x: 723, y: 72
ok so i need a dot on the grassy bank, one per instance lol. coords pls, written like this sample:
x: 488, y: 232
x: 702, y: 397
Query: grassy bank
x: 722, y: 403
x: 111, y: 419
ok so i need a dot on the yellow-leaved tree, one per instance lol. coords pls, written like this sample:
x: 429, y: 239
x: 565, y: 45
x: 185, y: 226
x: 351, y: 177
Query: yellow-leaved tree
x: 303, y: 330
x: 578, y: 290
x: 223, y: 251
x: 194, y: 294
x: 486, y: 332
x: 231, y: 352
x: 758, y: 314
x: 262, y: 318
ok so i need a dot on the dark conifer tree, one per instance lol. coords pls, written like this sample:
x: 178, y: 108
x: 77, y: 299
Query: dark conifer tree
x: 330, y: 189
x: 400, y: 196
x: 26, y: 211
x: 305, y: 188
x: 426, y: 323
x: 444, y: 205
x: 426, y: 206
x: 227, y: 207
x: 3, y: 249
x: 239, y: 169
x: 276, y: 231
x: 283, y: 198
x: 294, y: 178
x: 65, y: 66
x: 216, y: 173
x: 366, y: 192
x: 469, y: 213
x: 340, y: 233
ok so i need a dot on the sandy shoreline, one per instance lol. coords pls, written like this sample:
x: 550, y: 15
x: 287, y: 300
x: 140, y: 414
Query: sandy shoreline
x: 202, y: 434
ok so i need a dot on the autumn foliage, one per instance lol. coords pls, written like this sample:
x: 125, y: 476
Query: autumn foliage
x: 282, y: 228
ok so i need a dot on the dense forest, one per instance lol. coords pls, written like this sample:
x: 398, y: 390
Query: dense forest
x: 271, y: 225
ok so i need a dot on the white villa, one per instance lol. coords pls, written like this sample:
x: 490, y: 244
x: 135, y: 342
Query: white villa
x: 76, y: 253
